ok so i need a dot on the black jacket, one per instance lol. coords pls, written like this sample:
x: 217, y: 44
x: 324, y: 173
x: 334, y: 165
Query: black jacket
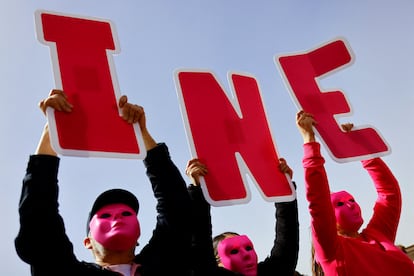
x: 283, y: 256
x: 43, y: 243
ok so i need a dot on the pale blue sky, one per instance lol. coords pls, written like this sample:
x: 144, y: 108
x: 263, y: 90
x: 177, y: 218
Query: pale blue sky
x: 156, y: 38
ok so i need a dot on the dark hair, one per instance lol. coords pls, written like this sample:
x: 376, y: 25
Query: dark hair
x: 316, y: 267
x: 217, y: 239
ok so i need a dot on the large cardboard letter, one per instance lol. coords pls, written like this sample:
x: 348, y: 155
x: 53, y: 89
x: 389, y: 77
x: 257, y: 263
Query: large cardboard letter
x: 301, y: 72
x: 81, y: 50
x: 231, y: 137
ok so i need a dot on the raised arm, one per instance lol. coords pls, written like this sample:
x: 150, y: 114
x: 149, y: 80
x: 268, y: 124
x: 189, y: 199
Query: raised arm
x: 40, y: 222
x: 387, y: 207
x: 202, y: 259
x: 284, y: 254
x: 323, y: 221
x: 169, y: 247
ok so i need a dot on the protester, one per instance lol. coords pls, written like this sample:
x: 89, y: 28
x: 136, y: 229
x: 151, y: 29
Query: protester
x: 113, y: 228
x: 336, y: 217
x: 234, y: 254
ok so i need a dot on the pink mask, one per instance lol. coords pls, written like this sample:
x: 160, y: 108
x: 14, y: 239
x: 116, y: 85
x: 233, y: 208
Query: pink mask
x: 347, y: 211
x: 115, y: 227
x: 238, y: 255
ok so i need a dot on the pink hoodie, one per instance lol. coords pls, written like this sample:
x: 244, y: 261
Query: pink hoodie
x: 374, y: 252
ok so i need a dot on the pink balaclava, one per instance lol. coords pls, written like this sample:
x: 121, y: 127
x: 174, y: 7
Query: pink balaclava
x: 347, y: 211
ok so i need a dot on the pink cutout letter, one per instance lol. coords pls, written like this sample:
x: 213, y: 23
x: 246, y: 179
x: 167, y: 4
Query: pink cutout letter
x: 232, y: 139
x: 301, y: 72
x: 84, y: 70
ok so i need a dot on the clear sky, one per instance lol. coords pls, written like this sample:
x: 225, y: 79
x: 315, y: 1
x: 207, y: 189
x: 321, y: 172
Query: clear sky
x: 156, y: 38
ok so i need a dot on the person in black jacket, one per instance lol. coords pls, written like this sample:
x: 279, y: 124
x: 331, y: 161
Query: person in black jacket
x: 113, y: 228
x: 206, y: 258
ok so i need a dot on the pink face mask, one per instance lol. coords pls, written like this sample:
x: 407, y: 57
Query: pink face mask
x: 237, y: 254
x: 115, y: 227
x: 347, y: 211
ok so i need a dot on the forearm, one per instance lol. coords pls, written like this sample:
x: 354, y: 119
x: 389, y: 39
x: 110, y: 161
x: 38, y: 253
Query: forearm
x: 387, y: 207
x: 44, y: 146
x: 202, y: 253
x: 323, y: 219
x: 171, y: 240
x: 40, y: 222
x: 149, y: 142
x: 286, y: 246
x: 200, y: 216
x: 385, y: 182
x: 168, y: 186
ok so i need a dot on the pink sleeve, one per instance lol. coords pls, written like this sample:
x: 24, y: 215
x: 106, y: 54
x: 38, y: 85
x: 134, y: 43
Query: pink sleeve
x: 323, y: 219
x: 387, y: 207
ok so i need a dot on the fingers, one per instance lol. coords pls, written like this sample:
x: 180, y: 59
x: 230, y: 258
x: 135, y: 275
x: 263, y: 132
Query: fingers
x: 303, y: 117
x: 42, y: 106
x: 305, y: 122
x: 57, y: 92
x: 192, y: 161
x: 299, y: 114
x: 195, y: 168
x: 347, y: 127
x: 131, y: 113
x: 122, y: 101
x: 58, y: 100
x: 284, y: 168
x: 302, y: 114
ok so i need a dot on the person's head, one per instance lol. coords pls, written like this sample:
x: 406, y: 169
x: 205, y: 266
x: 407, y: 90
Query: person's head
x: 347, y: 213
x: 112, y: 222
x: 236, y: 253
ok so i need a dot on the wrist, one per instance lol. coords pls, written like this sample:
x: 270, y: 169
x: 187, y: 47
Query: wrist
x: 307, y: 138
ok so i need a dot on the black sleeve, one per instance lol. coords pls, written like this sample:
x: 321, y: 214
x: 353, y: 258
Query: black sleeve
x: 168, y: 250
x: 41, y: 240
x: 202, y: 253
x: 284, y: 254
x: 203, y: 261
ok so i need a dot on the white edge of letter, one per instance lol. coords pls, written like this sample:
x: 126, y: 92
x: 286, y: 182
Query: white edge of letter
x: 58, y: 84
x: 243, y: 169
x: 338, y: 115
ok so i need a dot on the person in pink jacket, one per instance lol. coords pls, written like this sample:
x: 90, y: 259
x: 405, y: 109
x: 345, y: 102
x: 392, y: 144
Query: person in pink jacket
x: 340, y: 248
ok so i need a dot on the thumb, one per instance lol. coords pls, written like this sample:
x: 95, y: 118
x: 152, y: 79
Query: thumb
x: 122, y: 101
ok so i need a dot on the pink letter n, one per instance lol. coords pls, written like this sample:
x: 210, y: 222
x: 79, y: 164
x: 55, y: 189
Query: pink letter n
x: 232, y: 137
